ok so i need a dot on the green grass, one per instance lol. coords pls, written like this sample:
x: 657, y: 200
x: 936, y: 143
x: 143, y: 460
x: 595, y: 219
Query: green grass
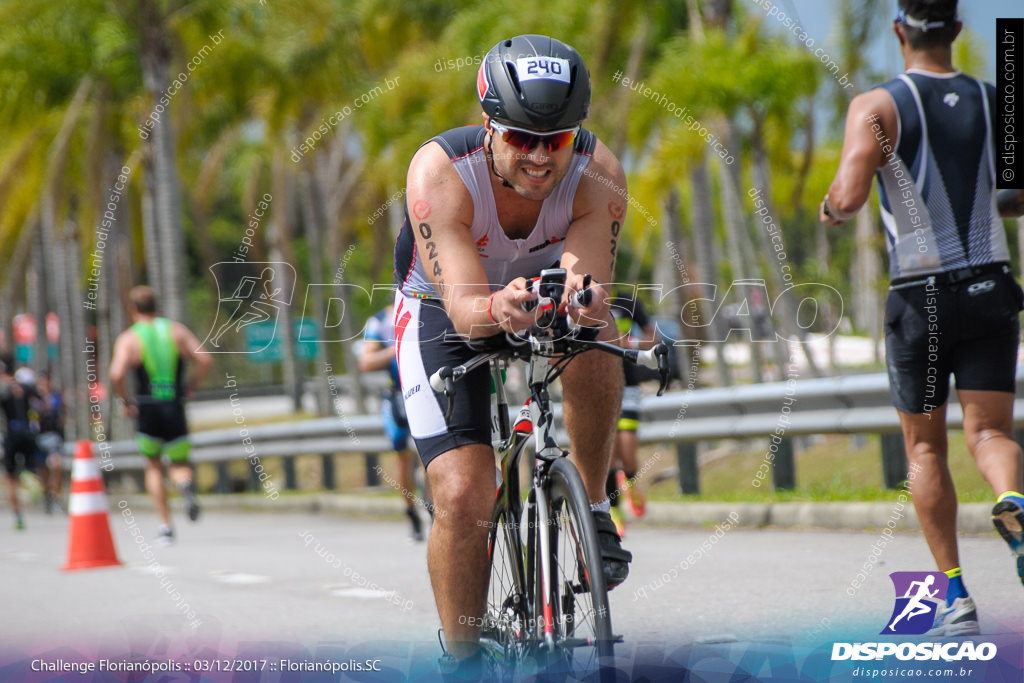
x: 200, y: 425
x: 831, y: 469
x: 349, y: 473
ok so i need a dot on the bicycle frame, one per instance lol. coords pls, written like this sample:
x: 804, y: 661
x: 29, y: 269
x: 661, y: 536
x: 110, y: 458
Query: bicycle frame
x: 511, y: 445
x: 546, y: 350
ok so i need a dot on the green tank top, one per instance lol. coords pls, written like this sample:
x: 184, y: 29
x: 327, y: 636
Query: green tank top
x: 159, y: 357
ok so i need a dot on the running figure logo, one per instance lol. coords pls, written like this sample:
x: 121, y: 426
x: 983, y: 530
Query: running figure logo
x: 255, y: 299
x: 918, y: 596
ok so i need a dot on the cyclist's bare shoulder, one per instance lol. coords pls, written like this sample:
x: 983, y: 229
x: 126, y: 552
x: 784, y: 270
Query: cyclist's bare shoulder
x: 433, y: 182
x: 603, y: 182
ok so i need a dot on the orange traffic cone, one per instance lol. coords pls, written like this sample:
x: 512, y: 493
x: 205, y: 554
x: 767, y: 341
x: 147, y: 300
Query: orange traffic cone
x: 89, y: 541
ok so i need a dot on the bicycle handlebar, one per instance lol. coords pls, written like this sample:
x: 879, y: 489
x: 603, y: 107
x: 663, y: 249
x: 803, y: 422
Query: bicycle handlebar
x: 559, y: 339
x: 649, y: 358
x: 537, y: 285
x: 656, y: 358
x: 437, y: 380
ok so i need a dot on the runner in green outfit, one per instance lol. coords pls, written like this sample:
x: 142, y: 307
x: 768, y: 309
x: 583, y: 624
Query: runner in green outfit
x: 154, y: 350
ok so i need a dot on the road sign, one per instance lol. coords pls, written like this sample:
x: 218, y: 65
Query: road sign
x: 263, y: 341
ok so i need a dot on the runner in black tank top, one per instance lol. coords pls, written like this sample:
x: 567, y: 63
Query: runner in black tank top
x: 953, y: 305
x: 154, y: 351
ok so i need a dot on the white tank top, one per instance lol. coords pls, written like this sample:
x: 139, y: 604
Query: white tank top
x: 504, y: 258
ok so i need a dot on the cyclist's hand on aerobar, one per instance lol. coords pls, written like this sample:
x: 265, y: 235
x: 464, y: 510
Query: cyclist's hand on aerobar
x: 507, y: 306
x: 596, y: 311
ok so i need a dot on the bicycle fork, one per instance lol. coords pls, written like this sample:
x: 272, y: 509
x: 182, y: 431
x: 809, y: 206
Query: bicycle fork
x: 545, y: 565
x: 545, y: 450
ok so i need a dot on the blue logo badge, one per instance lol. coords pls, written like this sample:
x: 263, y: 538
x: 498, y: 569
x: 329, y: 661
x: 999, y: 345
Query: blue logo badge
x: 918, y: 596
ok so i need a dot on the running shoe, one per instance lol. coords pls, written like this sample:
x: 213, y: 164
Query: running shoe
x: 166, y: 536
x: 620, y: 482
x: 616, y: 560
x: 188, y: 492
x: 637, y: 502
x: 1008, y: 519
x: 958, y: 619
x: 19, y: 522
x: 53, y: 505
x: 417, y: 526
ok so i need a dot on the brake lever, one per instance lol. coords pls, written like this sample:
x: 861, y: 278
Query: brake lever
x: 663, y: 370
x: 443, y: 381
x: 530, y: 304
x: 449, y: 393
x: 582, y: 298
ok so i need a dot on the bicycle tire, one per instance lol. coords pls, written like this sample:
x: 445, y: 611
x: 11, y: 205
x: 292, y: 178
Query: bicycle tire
x: 505, y: 631
x: 582, y: 621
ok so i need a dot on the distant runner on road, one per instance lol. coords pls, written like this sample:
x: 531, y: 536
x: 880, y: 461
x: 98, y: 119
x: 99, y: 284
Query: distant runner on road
x: 155, y: 350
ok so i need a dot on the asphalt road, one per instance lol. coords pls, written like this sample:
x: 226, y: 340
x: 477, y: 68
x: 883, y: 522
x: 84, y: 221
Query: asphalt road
x: 295, y: 582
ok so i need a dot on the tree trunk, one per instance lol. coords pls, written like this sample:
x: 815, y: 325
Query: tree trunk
x: 151, y: 237
x: 119, y: 281
x: 79, y: 332
x: 807, y: 161
x: 867, y: 271
x: 707, y: 265
x: 68, y: 346
x: 155, y: 59
x: 41, y: 274
x: 666, y: 270
x: 13, y: 289
x: 279, y: 236
x: 312, y: 224
x: 785, y: 317
x: 737, y: 237
x: 56, y: 160
x: 633, y: 66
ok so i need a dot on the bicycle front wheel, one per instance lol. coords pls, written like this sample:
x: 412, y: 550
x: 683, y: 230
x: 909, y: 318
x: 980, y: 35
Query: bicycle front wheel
x: 581, y: 620
x: 505, y: 632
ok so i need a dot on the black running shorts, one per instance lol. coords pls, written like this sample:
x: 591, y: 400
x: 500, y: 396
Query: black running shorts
x: 162, y: 420
x: 19, y: 442
x: 970, y: 330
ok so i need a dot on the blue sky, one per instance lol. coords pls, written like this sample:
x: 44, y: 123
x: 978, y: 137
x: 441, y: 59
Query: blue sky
x: 818, y: 17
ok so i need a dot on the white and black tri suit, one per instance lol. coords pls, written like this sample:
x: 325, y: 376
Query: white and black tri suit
x: 425, y: 336
x: 953, y: 305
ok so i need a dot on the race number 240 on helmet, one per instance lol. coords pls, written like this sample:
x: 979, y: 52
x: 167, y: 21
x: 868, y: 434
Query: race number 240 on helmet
x: 534, y: 82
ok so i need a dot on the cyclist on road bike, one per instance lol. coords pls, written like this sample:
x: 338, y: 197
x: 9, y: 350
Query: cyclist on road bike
x: 488, y: 206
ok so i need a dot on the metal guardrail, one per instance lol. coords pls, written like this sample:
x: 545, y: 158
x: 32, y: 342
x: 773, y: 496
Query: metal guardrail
x: 357, y: 434
x: 856, y: 404
x: 838, y: 405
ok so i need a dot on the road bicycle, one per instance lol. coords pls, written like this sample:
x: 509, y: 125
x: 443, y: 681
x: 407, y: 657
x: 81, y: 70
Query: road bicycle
x: 547, y: 603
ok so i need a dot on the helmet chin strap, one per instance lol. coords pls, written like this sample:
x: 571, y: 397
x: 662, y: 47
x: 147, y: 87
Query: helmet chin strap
x: 490, y: 152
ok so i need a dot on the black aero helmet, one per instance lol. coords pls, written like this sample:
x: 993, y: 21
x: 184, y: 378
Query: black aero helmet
x: 535, y: 82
